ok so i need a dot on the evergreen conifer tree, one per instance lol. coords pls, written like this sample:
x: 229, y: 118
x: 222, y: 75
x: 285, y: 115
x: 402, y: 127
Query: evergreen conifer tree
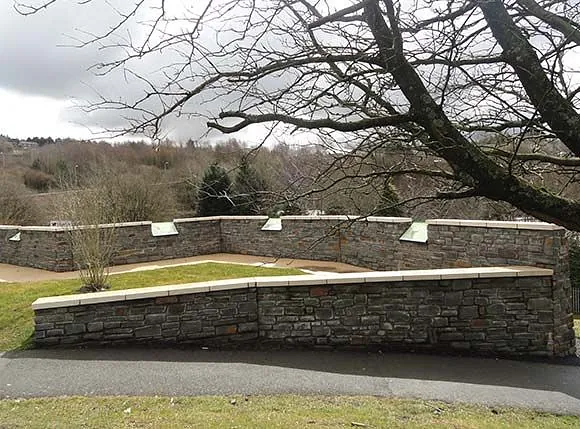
x: 250, y: 190
x: 213, y: 195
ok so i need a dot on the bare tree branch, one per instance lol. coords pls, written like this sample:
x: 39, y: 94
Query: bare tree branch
x: 555, y: 109
x: 567, y: 27
x: 308, y: 124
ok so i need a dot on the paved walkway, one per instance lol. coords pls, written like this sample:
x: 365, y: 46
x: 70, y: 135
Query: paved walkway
x: 170, y: 372
x: 13, y: 273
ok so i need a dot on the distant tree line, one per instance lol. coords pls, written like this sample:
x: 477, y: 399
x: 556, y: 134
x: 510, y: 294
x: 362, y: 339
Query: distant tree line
x: 198, y: 178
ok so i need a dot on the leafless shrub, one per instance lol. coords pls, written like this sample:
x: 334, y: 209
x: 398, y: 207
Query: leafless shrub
x: 38, y: 180
x: 16, y: 208
x: 135, y: 197
x: 92, y: 245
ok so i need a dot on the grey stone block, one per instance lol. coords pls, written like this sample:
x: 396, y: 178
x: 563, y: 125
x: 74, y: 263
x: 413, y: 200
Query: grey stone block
x: 540, y: 304
x: 495, y: 309
x: 429, y: 310
x: 191, y: 326
x: 75, y: 328
x: 95, y: 326
x: 468, y: 312
x: 323, y: 313
x: 155, y: 319
x: 148, y: 331
x: 398, y: 316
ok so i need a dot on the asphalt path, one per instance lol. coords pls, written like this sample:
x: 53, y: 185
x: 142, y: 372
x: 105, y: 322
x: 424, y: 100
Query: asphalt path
x: 179, y: 372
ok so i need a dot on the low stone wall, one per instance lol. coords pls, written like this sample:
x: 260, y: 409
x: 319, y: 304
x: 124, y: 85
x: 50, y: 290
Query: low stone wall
x: 512, y: 311
x: 49, y: 248
x: 370, y: 242
x: 217, y: 317
x: 135, y: 243
x: 301, y: 237
x: 43, y: 247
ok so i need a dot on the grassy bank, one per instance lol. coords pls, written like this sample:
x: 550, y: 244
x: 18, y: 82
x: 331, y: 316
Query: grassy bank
x: 266, y: 412
x: 16, y: 316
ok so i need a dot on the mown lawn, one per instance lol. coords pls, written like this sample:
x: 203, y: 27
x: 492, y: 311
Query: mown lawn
x: 265, y: 412
x: 16, y: 316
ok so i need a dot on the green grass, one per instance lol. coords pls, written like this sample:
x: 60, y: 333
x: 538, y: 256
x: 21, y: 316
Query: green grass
x: 265, y: 412
x: 16, y: 315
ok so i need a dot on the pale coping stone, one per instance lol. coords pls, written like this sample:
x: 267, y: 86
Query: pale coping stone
x: 491, y: 272
x: 56, y: 302
x: 197, y: 219
x: 99, y: 297
x: 386, y: 219
x: 10, y: 227
x: 243, y: 217
x: 495, y: 224
x: 126, y: 224
x: 190, y: 288
x: 43, y: 228
x: 148, y: 292
x: 271, y: 281
x: 323, y: 217
x: 305, y: 280
x: 242, y: 283
x: 345, y: 218
x: 349, y: 278
x: 69, y: 228
x: 297, y: 280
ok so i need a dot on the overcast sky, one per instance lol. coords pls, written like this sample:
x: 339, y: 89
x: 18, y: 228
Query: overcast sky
x: 43, y: 78
x: 38, y: 79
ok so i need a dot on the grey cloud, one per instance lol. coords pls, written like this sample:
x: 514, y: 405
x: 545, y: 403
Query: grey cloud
x: 33, y: 58
x: 32, y: 62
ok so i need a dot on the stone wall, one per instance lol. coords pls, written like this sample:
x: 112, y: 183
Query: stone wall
x: 372, y: 243
x: 301, y: 237
x: 41, y: 247
x: 480, y: 314
x: 506, y: 316
x: 49, y: 248
x: 465, y: 243
x: 500, y: 311
x: 212, y: 318
x: 135, y: 243
x: 455, y: 243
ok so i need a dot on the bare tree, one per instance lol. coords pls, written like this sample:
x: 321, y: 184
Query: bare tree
x: 489, y: 87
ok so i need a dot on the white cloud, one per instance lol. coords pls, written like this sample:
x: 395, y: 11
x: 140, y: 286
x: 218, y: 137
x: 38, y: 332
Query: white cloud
x: 25, y: 115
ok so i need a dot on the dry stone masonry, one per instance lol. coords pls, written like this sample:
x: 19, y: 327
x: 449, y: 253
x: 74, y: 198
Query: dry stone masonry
x: 500, y: 311
x: 371, y: 242
x: 515, y: 312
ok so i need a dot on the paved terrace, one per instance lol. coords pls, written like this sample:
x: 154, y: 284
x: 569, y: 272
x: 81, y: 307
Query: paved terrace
x: 13, y: 273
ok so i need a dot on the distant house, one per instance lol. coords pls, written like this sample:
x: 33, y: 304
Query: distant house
x: 23, y: 144
x: 315, y: 212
